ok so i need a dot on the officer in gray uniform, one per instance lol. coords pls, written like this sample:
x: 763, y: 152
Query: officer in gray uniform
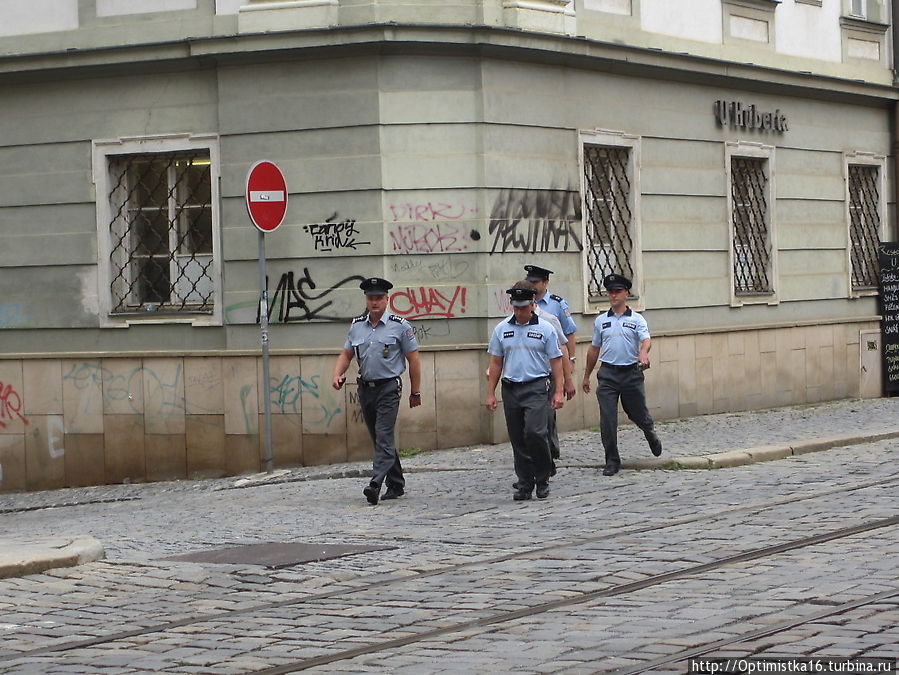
x: 621, y: 340
x: 550, y: 303
x: 524, y: 350
x: 380, y: 341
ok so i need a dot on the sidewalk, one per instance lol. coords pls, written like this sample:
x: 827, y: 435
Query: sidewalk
x: 697, y: 443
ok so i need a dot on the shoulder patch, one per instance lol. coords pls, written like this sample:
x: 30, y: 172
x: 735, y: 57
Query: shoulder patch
x: 557, y: 298
x: 394, y: 317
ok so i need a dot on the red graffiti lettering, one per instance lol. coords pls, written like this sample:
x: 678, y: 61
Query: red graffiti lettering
x: 10, y: 405
x: 424, y: 302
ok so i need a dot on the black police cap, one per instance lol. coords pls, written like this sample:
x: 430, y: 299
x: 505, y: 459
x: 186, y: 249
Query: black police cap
x: 375, y: 286
x: 521, y: 297
x: 538, y: 273
x: 616, y: 282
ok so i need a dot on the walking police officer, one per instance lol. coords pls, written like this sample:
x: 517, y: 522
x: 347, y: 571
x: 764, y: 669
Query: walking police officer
x: 525, y: 351
x: 621, y: 340
x: 555, y: 305
x: 380, y: 341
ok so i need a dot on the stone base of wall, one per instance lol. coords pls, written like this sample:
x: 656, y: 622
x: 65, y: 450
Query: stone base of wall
x: 77, y: 422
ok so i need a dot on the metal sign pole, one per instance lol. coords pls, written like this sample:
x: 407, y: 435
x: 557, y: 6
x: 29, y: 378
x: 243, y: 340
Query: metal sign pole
x: 263, y: 323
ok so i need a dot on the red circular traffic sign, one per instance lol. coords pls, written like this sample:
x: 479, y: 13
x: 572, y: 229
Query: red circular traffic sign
x: 266, y: 195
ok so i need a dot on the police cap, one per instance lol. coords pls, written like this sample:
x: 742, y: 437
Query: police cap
x: 537, y: 273
x: 521, y: 297
x: 375, y: 286
x: 614, y: 282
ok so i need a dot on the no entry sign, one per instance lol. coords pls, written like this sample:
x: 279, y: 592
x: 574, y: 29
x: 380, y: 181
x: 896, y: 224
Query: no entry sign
x: 266, y: 195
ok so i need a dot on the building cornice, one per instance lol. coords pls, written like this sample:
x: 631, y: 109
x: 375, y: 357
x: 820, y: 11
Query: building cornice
x: 513, y: 44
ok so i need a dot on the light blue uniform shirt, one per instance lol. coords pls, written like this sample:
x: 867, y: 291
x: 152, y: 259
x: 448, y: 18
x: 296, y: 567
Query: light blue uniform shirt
x: 556, y: 305
x: 619, y: 337
x: 526, y: 350
x: 380, y: 349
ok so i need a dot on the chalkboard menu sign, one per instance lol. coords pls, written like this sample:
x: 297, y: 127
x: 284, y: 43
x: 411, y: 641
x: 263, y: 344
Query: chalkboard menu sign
x: 889, y: 311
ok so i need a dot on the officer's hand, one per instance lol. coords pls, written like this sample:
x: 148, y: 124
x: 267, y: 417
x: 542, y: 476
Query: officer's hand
x: 586, y: 385
x: 338, y: 381
x: 643, y: 361
x: 414, y: 401
x: 570, y: 390
x: 491, y: 402
x: 558, y: 402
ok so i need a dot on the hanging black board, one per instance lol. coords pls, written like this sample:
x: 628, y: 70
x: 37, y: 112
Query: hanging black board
x: 889, y: 311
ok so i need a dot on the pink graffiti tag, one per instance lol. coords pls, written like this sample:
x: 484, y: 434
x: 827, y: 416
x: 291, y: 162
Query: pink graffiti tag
x: 10, y: 405
x: 425, y: 302
x: 429, y: 238
x: 429, y: 211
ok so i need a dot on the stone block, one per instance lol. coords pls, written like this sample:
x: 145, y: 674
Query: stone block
x: 42, y: 386
x: 124, y: 449
x: 205, y: 438
x: 84, y: 460
x: 166, y: 456
x: 203, y: 386
x: 13, y: 477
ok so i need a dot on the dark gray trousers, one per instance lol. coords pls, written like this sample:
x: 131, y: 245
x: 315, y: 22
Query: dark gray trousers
x: 527, y: 408
x: 551, y: 427
x: 380, y: 406
x: 628, y: 385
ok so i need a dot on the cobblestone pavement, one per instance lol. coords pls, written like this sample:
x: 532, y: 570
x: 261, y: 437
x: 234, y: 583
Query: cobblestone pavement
x: 636, y: 572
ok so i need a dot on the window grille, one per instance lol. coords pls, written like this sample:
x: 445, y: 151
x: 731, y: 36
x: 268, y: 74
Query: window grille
x: 864, y: 225
x: 161, y: 232
x: 608, y: 215
x: 752, y: 254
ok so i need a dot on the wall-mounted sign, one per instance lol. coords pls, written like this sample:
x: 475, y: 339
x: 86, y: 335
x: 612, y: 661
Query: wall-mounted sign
x: 889, y: 312
x: 741, y: 116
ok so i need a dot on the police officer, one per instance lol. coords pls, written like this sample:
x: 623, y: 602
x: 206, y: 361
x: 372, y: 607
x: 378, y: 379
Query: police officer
x: 621, y: 340
x: 379, y: 342
x: 555, y: 305
x: 525, y: 351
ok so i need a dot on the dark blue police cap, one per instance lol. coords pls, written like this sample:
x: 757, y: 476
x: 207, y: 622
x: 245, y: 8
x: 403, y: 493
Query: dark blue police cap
x: 614, y: 282
x: 521, y: 297
x: 537, y: 273
x: 375, y: 286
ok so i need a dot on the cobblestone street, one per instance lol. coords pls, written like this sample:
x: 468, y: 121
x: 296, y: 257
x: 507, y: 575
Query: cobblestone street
x: 637, y: 572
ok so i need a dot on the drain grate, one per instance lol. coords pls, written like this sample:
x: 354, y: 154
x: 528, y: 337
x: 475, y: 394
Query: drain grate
x: 276, y: 555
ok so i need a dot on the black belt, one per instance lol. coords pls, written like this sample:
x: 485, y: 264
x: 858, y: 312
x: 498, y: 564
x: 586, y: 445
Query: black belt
x: 614, y: 367
x: 519, y: 384
x: 374, y: 383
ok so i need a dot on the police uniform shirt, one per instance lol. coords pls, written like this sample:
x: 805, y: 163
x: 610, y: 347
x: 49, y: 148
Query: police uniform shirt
x: 554, y: 322
x: 379, y: 349
x: 526, y: 350
x: 556, y: 305
x: 618, y: 337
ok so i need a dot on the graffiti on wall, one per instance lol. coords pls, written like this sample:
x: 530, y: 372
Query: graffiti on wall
x: 431, y: 227
x: 442, y: 268
x: 334, y: 234
x: 10, y: 406
x: 12, y: 314
x: 294, y: 299
x: 426, y: 302
x: 535, y: 221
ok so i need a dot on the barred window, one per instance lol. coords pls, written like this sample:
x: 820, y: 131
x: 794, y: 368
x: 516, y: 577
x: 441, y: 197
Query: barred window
x: 864, y: 225
x: 608, y: 215
x: 161, y: 232
x: 751, y: 227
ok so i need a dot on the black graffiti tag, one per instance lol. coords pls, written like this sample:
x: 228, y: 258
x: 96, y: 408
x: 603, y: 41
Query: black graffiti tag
x: 294, y: 296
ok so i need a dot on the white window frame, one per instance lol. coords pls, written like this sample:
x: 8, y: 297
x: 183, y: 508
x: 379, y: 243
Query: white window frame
x: 103, y: 151
x: 756, y: 151
x: 617, y: 139
x: 866, y: 159
x: 858, y: 9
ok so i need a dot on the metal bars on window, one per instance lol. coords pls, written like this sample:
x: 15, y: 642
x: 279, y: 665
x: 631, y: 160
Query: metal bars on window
x: 608, y: 215
x: 161, y: 232
x: 751, y: 244
x: 864, y: 225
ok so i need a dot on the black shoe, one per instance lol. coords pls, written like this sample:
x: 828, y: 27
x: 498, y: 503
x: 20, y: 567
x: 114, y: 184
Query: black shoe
x: 521, y: 495
x: 655, y: 445
x: 393, y: 493
x: 611, y: 469
x: 371, y: 493
x: 542, y: 490
x: 552, y: 468
x: 515, y: 485
x: 554, y: 453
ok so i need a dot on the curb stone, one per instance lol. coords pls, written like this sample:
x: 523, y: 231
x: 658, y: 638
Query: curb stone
x: 41, y: 554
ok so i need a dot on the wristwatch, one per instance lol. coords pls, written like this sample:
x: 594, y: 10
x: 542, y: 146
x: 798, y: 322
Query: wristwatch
x: 415, y: 394
x: 572, y: 359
